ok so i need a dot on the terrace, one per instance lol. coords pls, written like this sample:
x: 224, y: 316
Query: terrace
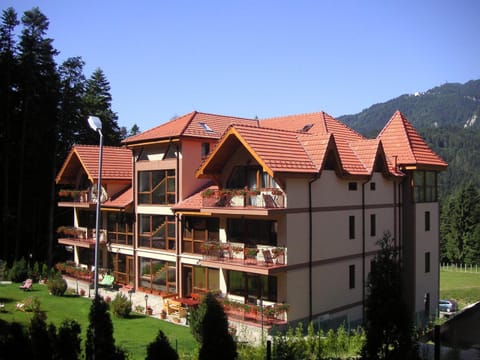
x: 242, y: 198
x: 80, y: 236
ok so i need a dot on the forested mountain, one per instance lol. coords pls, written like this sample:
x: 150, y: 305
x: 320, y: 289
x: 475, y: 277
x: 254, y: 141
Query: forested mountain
x: 449, y: 105
x: 446, y: 116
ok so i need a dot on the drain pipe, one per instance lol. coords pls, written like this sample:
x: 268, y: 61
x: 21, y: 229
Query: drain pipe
x: 363, y: 249
x: 310, y: 248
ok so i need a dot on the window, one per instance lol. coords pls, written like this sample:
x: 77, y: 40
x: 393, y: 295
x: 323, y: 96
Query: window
x: 252, y: 286
x: 205, y: 150
x: 205, y: 279
x: 373, y: 186
x: 156, y: 187
x: 157, y: 275
x: 251, y: 177
x: 427, y: 262
x: 373, y: 225
x: 206, y: 127
x: 252, y: 232
x: 425, y: 186
x: 197, y: 230
x: 351, y: 227
x: 120, y: 228
x: 351, y: 276
x: 156, y: 232
x: 427, y: 220
x: 352, y: 186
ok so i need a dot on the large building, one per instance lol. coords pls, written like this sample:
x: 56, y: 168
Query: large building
x: 267, y: 212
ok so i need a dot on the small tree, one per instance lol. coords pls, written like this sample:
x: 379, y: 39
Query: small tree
x: 210, y: 327
x: 68, y: 340
x: 388, y: 324
x: 100, y: 343
x: 160, y: 349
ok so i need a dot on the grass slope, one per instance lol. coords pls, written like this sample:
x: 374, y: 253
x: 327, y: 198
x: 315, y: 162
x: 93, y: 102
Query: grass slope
x: 132, y: 334
x: 463, y: 287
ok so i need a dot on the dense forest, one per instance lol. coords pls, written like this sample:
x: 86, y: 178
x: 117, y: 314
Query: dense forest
x: 43, y: 111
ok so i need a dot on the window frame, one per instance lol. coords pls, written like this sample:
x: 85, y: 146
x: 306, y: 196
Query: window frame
x: 146, y: 195
x: 351, y: 276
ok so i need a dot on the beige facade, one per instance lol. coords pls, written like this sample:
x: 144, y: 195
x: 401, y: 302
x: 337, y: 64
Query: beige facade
x: 210, y: 213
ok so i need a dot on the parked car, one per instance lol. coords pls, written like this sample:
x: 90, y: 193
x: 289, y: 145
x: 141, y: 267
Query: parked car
x: 449, y: 306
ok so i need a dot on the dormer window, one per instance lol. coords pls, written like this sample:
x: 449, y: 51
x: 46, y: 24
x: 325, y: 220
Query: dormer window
x: 206, y: 127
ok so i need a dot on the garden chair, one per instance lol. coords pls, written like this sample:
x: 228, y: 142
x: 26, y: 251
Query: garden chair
x: 27, y: 285
x: 107, y: 281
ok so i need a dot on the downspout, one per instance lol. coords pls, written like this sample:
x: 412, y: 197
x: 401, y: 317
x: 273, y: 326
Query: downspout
x: 310, y: 248
x: 135, y: 230
x: 363, y: 249
x: 178, y: 234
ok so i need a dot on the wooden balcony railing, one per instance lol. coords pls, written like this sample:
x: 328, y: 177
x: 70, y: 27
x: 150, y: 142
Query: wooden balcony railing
x: 239, y: 253
x: 239, y: 198
x: 70, y: 235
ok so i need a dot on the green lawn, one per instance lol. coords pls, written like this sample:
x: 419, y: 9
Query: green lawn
x: 462, y: 287
x: 132, y: 334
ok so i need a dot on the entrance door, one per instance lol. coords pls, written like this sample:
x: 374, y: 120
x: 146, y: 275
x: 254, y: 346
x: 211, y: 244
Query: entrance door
x: 187, y: 281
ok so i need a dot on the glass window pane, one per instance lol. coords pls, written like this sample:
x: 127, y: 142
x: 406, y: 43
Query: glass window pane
x: 199, y: 277
x: 143, y: 181
x: 213, y: 279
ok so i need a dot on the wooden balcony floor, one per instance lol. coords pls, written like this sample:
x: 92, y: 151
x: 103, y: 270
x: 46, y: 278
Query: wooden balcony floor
x: 246, y: 265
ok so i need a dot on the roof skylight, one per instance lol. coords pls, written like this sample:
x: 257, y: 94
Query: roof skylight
x: 307, y: 127
x: 206, y: 127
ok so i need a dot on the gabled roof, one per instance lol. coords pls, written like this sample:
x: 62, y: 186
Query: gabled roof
x: 275, y: 150
x: 194, y: 124
x: 122, y: 201
x: 319, y: 123
x: 401, y: 141
x: 116, y: 164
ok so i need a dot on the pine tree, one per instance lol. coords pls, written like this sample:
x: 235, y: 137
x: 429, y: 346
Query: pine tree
x: 100, y: 343
x: 388, y: 325
x: 160, y: 349
x: 97, y: 102
x: 8, y: 105
x: 217, y: 342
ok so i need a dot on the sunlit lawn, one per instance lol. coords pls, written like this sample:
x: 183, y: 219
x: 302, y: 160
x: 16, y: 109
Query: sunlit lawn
x: 132, y: 334
x: 463, y: 287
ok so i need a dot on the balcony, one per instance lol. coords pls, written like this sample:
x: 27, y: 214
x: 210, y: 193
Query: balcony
x: 79, y: 198
x: 80, y: 236
x: 261, y: 259
x: 260, y: 315
x: 242, y: 198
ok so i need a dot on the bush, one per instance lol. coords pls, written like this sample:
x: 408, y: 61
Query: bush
x: 57, y: 286
x: 121, y: 306
x: 19, y: 271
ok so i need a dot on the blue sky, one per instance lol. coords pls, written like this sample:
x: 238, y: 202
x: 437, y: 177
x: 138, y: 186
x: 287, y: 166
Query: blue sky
x: 263, y: 58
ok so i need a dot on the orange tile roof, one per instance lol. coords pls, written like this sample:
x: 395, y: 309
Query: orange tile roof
x: 190, y: 125
x: 401, y: 141
x: 116, y: 164
x: 122, y: 201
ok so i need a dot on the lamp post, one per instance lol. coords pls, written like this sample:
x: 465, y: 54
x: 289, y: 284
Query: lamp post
x: 146, y: 304
x: 96, y: 126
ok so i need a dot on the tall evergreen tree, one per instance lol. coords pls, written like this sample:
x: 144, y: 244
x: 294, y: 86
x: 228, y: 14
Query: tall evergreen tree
x: 8, y: 113
x: 39, y: 95
x: 217, y: 342
x: 388, y: 325
x: 460, y: 226
x: 40, y: 337
x: 97, y: 101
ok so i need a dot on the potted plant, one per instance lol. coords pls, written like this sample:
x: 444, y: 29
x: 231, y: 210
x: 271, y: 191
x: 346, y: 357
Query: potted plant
x: 163, y: 314
x: 139, y: 309
x: 149, y: 310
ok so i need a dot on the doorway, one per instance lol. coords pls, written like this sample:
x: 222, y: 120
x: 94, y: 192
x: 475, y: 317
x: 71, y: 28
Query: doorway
x: 187, y: 280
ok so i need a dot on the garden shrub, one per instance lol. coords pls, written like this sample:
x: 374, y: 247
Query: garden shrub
x: 57, y: 286
x: 121, y: 306
x: 19, y: 271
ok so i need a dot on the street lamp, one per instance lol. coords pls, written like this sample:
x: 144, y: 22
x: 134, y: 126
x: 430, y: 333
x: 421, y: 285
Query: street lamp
x: 146, y: 303
x: 96, y: 126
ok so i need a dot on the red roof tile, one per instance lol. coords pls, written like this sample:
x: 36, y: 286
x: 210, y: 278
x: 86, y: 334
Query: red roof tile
x: 191, y: 125
x: 116, y: 163
x: 121, y: 201
x: 402, y: 141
